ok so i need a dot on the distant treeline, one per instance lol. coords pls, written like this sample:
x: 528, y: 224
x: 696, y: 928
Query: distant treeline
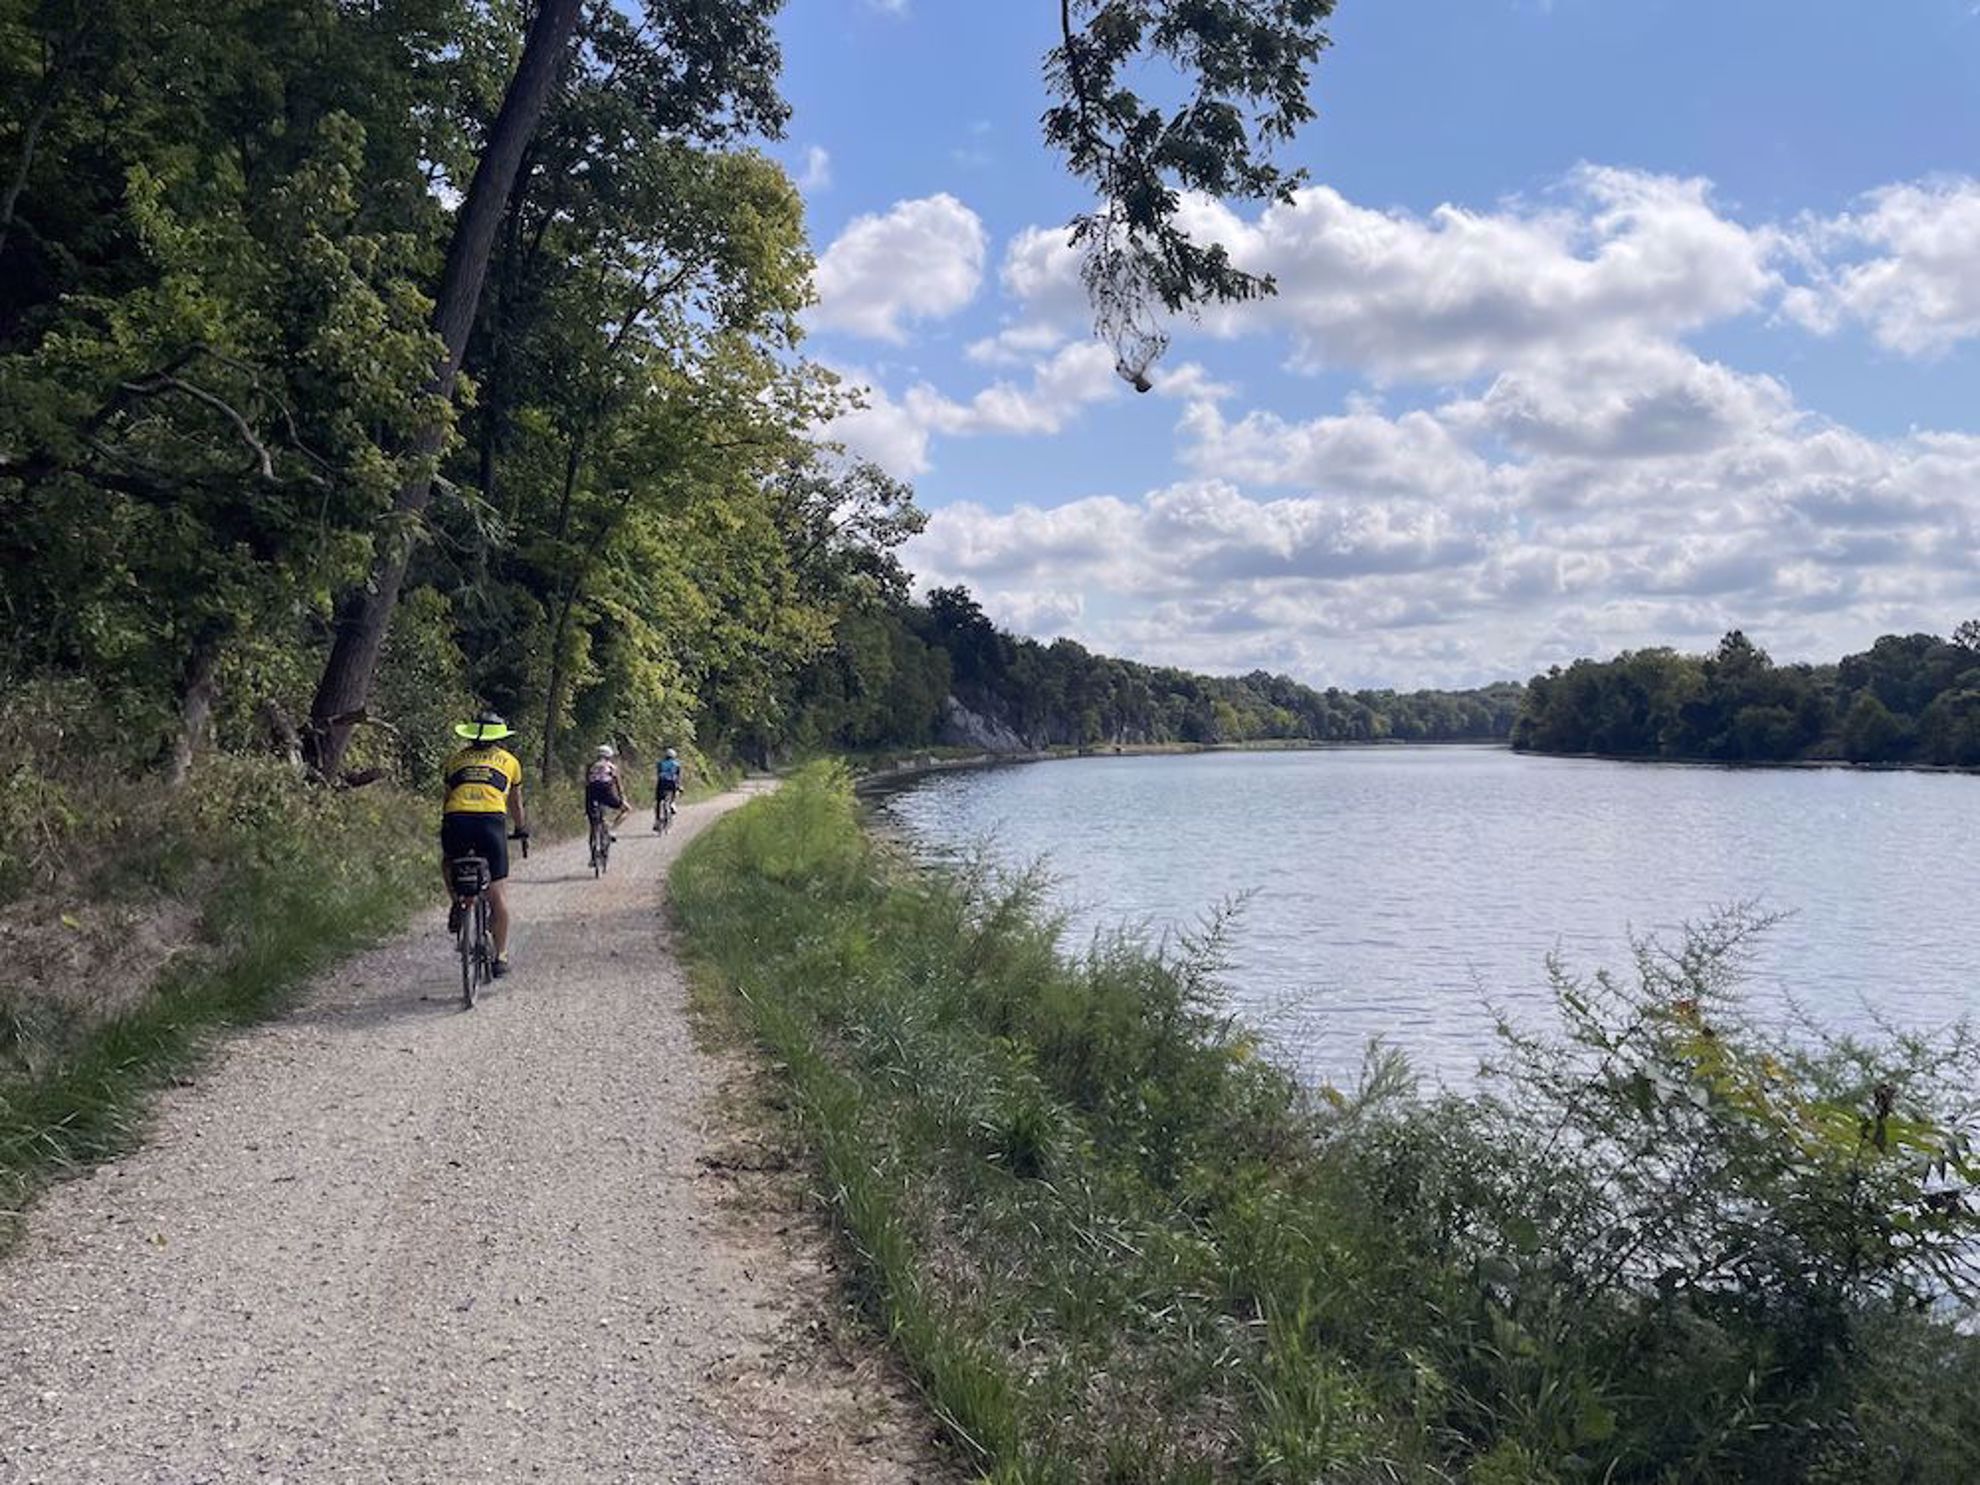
x: 891, y: 677
x: 1911, y: 698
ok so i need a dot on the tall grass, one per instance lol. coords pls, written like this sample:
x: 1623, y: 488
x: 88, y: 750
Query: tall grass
x: 1116, y: 1243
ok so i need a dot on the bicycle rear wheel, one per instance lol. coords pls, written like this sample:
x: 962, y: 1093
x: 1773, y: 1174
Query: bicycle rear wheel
x: 487, y: 941
x: 469, y: 969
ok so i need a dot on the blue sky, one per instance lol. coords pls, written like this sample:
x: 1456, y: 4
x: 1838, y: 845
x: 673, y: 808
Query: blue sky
x: 1603, y: 325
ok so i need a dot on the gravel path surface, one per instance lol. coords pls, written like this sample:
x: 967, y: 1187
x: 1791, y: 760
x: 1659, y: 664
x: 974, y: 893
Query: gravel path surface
x: 388, y: 1240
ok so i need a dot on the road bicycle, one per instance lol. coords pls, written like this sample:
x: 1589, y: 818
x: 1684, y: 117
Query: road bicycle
x: 470, y: 878
x: 663, y: 810
x: 601, y: 843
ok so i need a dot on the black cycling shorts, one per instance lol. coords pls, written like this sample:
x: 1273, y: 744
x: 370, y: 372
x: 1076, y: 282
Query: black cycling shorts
x: 601, y: 794
x: 669, y: 786
x: 483, y: 834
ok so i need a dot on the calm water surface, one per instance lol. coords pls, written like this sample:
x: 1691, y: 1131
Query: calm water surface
x: 1397, y: 891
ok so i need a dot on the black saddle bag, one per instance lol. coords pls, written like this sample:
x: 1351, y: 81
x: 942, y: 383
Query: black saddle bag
x: 469, y: 875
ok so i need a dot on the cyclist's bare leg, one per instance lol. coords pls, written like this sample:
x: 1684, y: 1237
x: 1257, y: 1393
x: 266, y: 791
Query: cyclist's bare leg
x: 498, y: 918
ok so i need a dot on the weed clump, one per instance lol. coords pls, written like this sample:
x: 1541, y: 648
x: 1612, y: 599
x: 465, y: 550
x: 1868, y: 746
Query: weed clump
x: 1118, y: 1244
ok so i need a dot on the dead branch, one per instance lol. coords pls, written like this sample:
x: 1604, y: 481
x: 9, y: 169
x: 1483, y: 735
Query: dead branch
x: 265, y: 464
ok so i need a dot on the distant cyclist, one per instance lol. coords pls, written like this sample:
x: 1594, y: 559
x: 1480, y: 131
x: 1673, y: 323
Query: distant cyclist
x: 484, y: 791
x: 667, y: 787
x: 604, y: 789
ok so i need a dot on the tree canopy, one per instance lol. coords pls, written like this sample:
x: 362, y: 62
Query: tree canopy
x: 1910, y: 698
x: 361, y: 361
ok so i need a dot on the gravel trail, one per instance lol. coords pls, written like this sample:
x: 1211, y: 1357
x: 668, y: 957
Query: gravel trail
x: 387, y: 1240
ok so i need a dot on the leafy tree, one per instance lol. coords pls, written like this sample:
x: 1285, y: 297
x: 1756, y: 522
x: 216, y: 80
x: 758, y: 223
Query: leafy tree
x: 207, y: 334
x: 1246, y: 66
x: 1870, y: 734
x: 1737, y: 705
x: 1063, y: 695
x: 1949, y: 730
x: 706, y: 72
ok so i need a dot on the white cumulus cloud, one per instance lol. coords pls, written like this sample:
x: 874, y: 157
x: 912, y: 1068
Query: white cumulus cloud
x: 880, y: 428
x: 918, y: 260
x: 1621, y: 256
x: 1537, y: 462
x: 1909, y: 268
x: 1499, y: 534
x: 1074, y: 377
x: 1359, y: 451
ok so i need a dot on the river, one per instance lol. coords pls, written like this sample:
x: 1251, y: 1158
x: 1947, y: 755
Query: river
x: 1401, y: 892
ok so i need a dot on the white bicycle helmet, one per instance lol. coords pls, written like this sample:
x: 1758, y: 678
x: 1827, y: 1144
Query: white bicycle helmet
x: 606, y: 750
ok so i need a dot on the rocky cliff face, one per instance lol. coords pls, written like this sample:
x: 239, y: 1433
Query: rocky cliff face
x: 963, y: 728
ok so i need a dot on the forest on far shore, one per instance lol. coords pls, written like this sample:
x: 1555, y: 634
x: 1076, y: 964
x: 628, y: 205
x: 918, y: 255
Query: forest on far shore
x: 1909, y: 698
x: 888, y: 680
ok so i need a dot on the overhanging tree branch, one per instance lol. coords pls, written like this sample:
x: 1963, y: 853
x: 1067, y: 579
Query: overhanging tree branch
x: 264, y: 463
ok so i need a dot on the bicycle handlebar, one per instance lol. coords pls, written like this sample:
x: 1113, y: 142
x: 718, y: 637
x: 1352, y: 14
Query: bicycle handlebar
x: 523, y: 836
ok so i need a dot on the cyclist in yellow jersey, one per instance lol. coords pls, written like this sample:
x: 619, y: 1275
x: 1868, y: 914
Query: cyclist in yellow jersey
x: 484, y: 791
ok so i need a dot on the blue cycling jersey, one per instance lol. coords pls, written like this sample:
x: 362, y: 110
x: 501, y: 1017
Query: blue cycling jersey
x: 670, y: 770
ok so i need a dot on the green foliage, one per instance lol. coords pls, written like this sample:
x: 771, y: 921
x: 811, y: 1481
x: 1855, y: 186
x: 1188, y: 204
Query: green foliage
x: 1870, y: 734
x: 217, y: 376
x: 423, y: 687
x: 1115, y: 1243
x: 1907, y: 699
x: 210, y: 337
x: 1244, y: 69
x: 888, y: 678
x: 214, y: 339
x: 619, y: 555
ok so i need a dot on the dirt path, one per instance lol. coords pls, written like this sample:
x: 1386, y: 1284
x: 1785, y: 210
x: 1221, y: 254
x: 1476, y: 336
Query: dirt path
x: 388, y: 1240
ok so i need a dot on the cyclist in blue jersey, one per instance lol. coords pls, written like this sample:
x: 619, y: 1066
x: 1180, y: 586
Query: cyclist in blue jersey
x: 667, y: 788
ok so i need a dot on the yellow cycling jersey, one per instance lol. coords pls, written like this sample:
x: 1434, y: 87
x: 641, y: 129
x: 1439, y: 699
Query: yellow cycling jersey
x: 479, y: 780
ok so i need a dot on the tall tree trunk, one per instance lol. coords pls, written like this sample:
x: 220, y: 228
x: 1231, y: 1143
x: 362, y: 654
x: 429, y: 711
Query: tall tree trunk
x: 345, y: 688
x: 195, y: 711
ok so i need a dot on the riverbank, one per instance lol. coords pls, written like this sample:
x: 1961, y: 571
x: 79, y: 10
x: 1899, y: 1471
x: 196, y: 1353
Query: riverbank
x: 1754, y: 764
x: 1114, y: 1241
